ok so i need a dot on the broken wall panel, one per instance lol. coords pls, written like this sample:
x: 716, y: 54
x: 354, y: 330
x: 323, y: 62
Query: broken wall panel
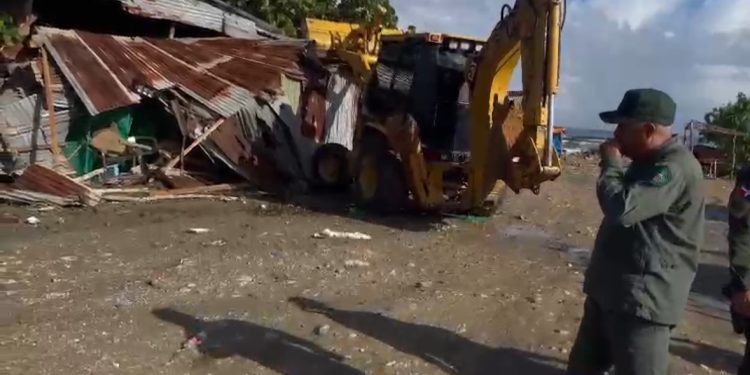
x: 341, y: 109
x: 25, y: 133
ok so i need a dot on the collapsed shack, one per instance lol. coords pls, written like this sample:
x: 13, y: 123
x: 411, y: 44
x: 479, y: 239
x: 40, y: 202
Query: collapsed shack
x: 715, y: 163
x: 185, y: 114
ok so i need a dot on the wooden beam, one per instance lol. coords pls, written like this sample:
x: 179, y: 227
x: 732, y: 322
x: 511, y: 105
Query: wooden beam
x: 49, y: 95
x: 221, y: 188
x: 195, y: 143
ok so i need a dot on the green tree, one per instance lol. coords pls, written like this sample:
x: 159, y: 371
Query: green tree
x: 9, y: 34
x: 736, y: 116
x: 288, y: 15
x: 362, y: 11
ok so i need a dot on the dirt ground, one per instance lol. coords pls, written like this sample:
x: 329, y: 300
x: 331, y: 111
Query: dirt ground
x: 118, y: 289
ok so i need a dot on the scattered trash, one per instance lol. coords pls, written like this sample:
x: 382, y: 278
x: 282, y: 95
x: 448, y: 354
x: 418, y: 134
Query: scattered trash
x: 198, y: 230
x: 245, y: 279
x: 534, y: 299
x: 562, y: 332
x: 33, y: 220
x: 322, y: 330
x: 356, y: 263
x: 217, y: 243
x: 69, y: 258
x: 45, y: 208
x: 423, y: 284
x: 327, y: 233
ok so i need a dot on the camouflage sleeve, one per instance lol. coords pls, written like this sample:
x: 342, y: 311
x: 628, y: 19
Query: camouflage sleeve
x: 628, y: 202
x: 739, y: 235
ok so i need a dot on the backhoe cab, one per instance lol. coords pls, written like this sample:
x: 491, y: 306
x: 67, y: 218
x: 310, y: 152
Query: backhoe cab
x: 438, y: 129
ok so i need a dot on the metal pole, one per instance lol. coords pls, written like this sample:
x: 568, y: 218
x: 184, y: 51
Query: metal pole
x: 550, y: 132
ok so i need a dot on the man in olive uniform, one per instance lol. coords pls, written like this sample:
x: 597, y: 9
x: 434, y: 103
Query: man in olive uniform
x: 646, y: 252
x: 738, y: 288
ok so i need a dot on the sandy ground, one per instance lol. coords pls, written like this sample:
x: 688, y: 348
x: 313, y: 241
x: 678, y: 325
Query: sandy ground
x: 119, y: 289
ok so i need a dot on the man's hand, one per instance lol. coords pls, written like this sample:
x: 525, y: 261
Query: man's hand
x: 741, y: 303
x: 610, y: 150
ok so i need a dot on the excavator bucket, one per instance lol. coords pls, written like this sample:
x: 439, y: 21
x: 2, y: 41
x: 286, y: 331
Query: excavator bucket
x: 329, y: 35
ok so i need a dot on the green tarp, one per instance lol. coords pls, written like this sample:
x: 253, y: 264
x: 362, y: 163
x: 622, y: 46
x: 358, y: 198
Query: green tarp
x: 139, y: 120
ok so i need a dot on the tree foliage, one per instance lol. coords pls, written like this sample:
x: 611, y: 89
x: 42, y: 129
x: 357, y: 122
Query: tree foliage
x: 288, y: 15
x: 9, y: 33
x: 736, y: 116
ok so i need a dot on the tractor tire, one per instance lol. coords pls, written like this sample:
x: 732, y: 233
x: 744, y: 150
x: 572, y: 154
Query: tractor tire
x: 331, y: 166
x: 380, y: 183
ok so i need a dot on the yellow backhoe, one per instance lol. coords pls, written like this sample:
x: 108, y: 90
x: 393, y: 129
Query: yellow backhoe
x: 438, y: 130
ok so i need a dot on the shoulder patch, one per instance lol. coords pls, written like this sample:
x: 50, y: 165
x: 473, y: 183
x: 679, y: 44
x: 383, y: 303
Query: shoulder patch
x: 661, y: 176
x: 743, y: 190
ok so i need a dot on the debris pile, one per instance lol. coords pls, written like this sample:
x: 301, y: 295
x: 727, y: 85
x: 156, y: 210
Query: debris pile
x: 92, y: 116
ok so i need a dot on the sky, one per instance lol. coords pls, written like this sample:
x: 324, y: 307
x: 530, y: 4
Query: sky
x: 698, y: 51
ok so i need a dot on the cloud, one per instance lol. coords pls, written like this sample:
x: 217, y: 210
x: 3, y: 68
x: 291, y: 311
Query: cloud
x: 633, y: 13
x: 727, y: 16
x: 696, y: 50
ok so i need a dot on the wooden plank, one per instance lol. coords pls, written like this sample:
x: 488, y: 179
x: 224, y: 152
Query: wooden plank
x: 90, y: 175
x: 30, y: 197
x: 120, y: 198
x: 195, y: 143
x: 220, y: 188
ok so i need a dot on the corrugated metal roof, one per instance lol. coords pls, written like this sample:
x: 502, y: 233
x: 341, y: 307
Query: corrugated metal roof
x: 221, y: 73
x: 212, y: 15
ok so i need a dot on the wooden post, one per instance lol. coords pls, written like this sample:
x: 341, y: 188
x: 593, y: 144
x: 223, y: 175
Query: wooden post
x: 178, y: 114
x: 49, y: 95
x: 734, y: 155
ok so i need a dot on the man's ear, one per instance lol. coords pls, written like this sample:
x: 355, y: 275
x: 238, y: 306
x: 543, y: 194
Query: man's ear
x: 649, y: 129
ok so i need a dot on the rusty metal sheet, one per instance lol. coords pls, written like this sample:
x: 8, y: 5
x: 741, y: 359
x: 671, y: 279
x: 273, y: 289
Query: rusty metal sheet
x: 44, y: 180
x: 221, y: 73
x: 90, y: 78
x: 283, y: 56
x: 202, y: 57
x: 125, y: 64
x: 256, y: 79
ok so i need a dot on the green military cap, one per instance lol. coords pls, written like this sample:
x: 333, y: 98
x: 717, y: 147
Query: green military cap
x: 643, y: 105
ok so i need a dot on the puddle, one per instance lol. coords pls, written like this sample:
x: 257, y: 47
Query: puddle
x: 537, y: 236
x: 579, y: 255
x: 526, y: 232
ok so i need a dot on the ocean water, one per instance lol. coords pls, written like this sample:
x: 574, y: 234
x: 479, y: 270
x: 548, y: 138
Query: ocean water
x: 580, y: 140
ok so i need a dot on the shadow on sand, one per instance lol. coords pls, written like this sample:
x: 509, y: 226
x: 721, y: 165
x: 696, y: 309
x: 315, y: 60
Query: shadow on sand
x: 449, y: 351
x: 701, y: 354
x: 274, y: 349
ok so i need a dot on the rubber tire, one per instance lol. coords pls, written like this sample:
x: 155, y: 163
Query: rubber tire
x: 391, y: 193
x: 341, y: 155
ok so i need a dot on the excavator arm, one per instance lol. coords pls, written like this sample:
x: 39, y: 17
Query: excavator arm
x: 355, y: 45
x: 510, y: 144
